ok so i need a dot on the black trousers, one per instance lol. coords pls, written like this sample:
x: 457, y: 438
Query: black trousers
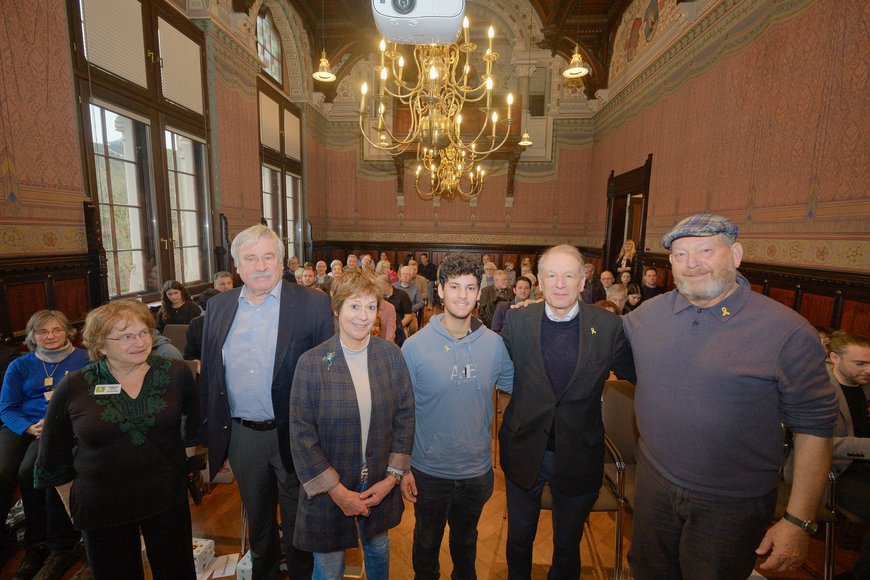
x: 115, y: 552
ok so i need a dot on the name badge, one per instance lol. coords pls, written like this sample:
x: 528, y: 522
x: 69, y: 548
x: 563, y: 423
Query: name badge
x: 107, y: 389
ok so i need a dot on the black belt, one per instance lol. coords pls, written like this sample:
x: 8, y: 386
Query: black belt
x: 256, y: 425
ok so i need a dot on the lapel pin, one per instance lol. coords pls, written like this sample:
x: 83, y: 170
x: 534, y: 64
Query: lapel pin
x: 725, y: 312
x: 446, y: 348
x: 593, y: 330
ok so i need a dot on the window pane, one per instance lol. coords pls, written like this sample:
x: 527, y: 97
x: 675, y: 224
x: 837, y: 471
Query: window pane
x: 186, y: 192
x: 128, y: 229
x: 194, y: 265
x: 120, y: 136
x: 106, y: 220
x: 97, y: 131
x: 102, y: 182
x: 189, y: 233
x: 184, y: 154
x: 170, y: 153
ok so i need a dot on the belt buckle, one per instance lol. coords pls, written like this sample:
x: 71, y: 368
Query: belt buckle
x: 364, y: 474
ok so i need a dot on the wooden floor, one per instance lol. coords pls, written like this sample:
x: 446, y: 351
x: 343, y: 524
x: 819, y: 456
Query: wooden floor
x: 219, y: 518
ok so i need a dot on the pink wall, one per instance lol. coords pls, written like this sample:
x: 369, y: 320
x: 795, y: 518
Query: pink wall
x: 774, y: 135
x: 40, y: 165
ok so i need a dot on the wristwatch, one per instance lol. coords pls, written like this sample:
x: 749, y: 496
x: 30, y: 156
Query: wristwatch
x: 395, y: 474
x: 809, y: 526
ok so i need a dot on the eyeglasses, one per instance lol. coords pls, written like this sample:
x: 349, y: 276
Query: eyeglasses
x: 55, y: 331
x: 126, y: 339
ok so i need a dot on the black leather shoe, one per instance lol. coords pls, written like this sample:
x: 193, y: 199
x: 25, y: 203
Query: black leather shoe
x: 31, y: 563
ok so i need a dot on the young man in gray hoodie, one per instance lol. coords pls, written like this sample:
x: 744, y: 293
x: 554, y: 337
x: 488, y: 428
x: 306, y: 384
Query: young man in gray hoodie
x: 454, y: 362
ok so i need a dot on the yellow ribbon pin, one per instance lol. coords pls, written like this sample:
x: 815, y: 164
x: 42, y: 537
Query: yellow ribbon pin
x: 725, y: 312
x: 446, y: 348
x: 593, y: 330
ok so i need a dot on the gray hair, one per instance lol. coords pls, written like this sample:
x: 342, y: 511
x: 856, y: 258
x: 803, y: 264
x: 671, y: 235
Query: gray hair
x: 251, y: 236
x: 219, y: 275
x: 41, y: 318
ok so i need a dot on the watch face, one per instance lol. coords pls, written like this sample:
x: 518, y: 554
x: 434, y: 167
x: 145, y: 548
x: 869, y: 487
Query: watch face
x: 812, y: 527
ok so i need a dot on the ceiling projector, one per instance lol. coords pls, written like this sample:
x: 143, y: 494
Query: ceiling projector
x: 419, y: 21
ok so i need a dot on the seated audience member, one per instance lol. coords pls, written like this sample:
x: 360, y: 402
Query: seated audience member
x: 618, y: 294
x: 489, y: 269
x: 522, y: 289
x: 634, y: 298
x: 365, y: 262
x: 352, y: 263
x: 625, y: 278
x: 402, y: 303
x: 606, y: 279
x: 351, y: 432
x: 376, y: 327
x: 649, y: 288
x: 177, y: 306
x: 387, y: 318
x: 511, y: 273
x: 498, y: 291
x: 308, y: 277
x: 593, y: 291
x: 407, y: 284
x: 290, y: 272
x: 121, y: 452
x: 609, y: 306
x: 850, y: 373
x: 297, y: 274
x: 825, y: 334
x: 51, y: 542
x: 336, y: 268
x: 222, y: 281
x: 322, y: 274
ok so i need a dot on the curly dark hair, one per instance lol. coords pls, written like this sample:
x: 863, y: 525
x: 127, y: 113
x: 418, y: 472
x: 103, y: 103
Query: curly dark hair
x: 456, y: 265
x: 166, y: 305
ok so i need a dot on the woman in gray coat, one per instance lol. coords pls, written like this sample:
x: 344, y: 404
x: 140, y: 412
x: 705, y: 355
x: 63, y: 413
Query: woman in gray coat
x: 351, y: 431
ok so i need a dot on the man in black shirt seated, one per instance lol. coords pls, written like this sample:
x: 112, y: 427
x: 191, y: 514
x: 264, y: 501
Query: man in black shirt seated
x: 850, y: 355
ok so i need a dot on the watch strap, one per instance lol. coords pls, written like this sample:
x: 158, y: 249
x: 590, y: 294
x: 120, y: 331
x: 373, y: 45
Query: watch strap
x: 809, y: 526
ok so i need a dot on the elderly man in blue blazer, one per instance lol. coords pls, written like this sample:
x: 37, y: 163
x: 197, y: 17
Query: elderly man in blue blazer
x: 563, y: 352
x: 252, y: 338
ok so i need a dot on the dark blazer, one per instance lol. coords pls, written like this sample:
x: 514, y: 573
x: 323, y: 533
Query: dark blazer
x: 325, y: 436
x: 577, y: 412
x: 305, y: 321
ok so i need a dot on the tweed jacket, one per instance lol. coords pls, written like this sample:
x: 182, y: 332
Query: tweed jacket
x: 577, y: 412
x: 305, y: 321
x: 847, y: 447
x: 325, y: 440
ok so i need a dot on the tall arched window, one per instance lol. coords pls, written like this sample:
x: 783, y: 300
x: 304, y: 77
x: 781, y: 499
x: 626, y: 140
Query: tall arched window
x: 269, y: 45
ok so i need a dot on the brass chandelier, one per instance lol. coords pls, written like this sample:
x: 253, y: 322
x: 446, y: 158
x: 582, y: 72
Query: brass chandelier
x: 435, y: 96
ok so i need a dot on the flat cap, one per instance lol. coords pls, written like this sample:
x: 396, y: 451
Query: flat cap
x: 700, y: 225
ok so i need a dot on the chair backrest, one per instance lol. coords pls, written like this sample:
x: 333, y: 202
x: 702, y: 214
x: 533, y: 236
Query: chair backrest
x: 617, y: 409
x: 177, y: 334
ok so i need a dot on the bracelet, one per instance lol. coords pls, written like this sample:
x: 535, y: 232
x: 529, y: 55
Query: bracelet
x: 395, y: 474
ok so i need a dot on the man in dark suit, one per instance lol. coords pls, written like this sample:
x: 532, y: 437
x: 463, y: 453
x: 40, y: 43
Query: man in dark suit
x: 252, y: 338
x: 563, y: 351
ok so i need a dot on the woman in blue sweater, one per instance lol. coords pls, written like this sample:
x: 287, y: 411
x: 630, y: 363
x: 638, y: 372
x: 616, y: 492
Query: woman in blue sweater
x: 51, y: 542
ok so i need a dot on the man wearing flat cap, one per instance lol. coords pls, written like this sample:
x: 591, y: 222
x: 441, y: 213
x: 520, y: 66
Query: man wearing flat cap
x: 720, y: 369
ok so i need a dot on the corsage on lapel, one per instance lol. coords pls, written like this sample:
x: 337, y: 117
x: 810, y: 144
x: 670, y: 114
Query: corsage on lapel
x: 329, y: 359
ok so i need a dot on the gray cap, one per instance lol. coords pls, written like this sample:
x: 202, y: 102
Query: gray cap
x: 700, y: 225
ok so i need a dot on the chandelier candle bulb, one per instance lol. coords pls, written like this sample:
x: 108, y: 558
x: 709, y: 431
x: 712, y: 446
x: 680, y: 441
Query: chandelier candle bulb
x: 494, y: 122
x: 490, y: 33
x: 510, y: 101
x: 362, y: 103
x: 465, y: 28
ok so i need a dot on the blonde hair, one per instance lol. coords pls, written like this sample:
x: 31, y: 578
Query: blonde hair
x: 631, y: 251
x: 102, y: 320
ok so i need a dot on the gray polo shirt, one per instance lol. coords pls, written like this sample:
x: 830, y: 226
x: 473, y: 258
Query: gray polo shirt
x: 715, y: 383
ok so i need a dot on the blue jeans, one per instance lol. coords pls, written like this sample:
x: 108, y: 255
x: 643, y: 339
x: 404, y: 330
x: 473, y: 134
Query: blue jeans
x: 458, y: 502
x: 376, y: 555
x: 569, y: 514
x: 680, y: 533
